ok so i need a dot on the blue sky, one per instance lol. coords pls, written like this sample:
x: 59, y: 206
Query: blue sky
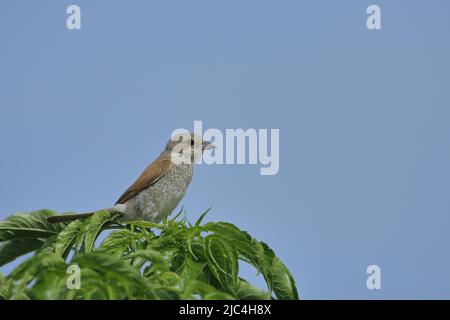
x: 363, y: 116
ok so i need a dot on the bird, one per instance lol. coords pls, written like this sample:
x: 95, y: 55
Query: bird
x: 160, y: 187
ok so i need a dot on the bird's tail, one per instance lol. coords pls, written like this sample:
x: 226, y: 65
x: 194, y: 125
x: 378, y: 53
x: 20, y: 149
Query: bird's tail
x: 68, y: 217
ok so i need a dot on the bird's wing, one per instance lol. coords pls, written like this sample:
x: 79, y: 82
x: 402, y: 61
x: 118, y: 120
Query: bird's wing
x: 155, y: 171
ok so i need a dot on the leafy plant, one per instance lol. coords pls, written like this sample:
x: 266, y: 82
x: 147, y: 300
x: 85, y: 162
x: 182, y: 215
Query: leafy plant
x: 135, y: 260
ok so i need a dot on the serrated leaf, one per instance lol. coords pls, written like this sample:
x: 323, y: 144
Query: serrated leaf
x: 107, y: 264
x: 118, y: 273
x: 259, y: 255
x: 67, y: 237
x: 277, y: 276
x: 118, y: 241
x: 29, y: 225
x: 190, y: 269
x: 12, y: 249
x: 27, y: 270
x: 94, y: 226
x: 223, y: 262
x: 152, y: 256
x: 246, y: 246
x: 246, y: 291
x: 206, y: 291
x: 50, y: 281
x: 48, y: 245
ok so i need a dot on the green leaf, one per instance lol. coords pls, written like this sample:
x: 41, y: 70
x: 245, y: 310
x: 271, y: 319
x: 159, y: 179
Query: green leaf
x: 50, y: 282
x: 108, y: 264
x: 121, y: 278
x: 35, y: 265
x: 93, y: 287
x: 190, y: 270
x: 246, y: 246
x: 4, y: 288
x: 178, y: 214
x: 153, y: 256
x: 94, y: 225
x: 118, y: 241
x: 223, y: 262
x: 259, y: 255
x: 197, y: 223
x: 277, y: 276
x: 12, y: 249
x: 206, y: 291
x: 29, y: 225
x: 248, y: 292
x: 67, y: 237
x: 48, y: 245
x: 145, y: 224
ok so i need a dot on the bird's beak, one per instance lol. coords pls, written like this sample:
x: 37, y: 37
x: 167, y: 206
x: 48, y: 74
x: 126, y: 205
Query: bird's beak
x: 208, y: 145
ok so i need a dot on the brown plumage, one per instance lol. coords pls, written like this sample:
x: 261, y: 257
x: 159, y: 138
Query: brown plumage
x: 151, y: 174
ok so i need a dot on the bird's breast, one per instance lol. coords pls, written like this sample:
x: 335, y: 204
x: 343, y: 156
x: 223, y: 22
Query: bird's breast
x: 157, y: 201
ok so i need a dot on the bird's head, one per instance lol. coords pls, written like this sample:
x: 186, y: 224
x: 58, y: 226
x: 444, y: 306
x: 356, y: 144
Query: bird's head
x: 187, y: 148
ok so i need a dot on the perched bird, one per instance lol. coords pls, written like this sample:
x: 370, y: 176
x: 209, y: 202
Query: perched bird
x: 159, y: 189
